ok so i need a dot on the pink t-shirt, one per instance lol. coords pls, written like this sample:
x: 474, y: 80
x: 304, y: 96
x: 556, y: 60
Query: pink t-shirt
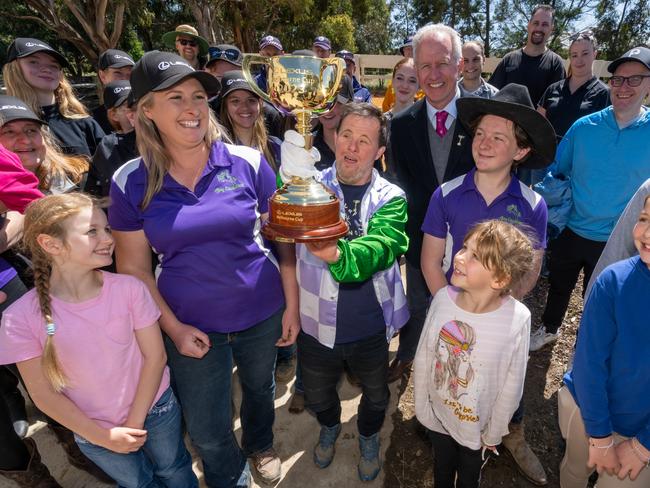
x: 95, y: 343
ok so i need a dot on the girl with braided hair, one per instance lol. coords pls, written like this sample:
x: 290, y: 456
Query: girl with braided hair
x: 88, y: 346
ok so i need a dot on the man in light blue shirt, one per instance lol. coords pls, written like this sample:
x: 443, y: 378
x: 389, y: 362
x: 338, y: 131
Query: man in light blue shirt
x: 606, y: 156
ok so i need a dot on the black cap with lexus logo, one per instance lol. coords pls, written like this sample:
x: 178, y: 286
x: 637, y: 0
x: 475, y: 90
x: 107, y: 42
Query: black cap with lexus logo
x: 234, y: 80
x: 116, y: 93
x: 12, y: 108
x: 114, y: 58
x: 157, y: 71
x: 26, y: 46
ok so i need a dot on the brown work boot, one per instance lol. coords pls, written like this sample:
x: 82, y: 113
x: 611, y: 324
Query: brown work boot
x: 36, y: 475
x: 524, y: 457
x: 74, y: 454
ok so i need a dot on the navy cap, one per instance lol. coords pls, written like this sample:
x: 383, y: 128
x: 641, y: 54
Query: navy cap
x: 639, y: 54
x: 322, y: 42
x: 116, y: 93
x: 26, y: 46
x: 271, y: 41
x: 234, y: 80
x: 225, y: 52
x: 157, y: 71
x: 346, y: 55
x: 114, y: 58
x: 12, y: 108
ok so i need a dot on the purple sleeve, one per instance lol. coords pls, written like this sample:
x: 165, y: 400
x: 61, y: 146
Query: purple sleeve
x: 538, y: 223
x: 122, y: 214
x: 265, y: 185
x: 435, y: 222
x: 143, y: 307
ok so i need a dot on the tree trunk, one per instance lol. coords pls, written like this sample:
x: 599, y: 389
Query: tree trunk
x: 91, y: 15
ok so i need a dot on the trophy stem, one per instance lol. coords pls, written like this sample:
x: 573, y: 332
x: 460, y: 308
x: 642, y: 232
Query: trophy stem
x: 303, y: 126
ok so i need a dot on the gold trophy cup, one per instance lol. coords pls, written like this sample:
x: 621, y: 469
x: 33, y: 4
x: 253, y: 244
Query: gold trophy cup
x: 303, y: 210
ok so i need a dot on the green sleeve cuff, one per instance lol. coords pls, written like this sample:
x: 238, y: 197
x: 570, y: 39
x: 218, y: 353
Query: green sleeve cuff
x: 384, y: 242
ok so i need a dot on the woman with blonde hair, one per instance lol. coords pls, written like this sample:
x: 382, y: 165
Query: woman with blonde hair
x: 200, y: 203
x: 23, y: 133
x: 34, y: 73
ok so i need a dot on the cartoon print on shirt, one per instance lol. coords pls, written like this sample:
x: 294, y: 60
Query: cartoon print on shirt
x: 452, y: 367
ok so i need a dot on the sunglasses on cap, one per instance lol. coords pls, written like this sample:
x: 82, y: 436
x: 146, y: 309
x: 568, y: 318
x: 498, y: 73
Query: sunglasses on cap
x: 633, y: 81
x: 587, y: 35
x: 229, y: 54
x: 187, y: 42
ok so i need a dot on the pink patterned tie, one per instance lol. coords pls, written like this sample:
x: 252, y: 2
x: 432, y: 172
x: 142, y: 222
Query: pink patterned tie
x: 441, y: 118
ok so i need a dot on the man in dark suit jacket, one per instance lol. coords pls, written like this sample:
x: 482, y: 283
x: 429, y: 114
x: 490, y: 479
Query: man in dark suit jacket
x: 429, y: 147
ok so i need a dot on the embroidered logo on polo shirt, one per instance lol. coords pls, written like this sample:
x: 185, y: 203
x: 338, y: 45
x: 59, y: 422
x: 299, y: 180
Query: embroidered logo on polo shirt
x: 228, y: 182
x: 513, y: 215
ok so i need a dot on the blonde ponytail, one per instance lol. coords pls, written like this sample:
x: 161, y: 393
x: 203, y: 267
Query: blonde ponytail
x: 49, y: 361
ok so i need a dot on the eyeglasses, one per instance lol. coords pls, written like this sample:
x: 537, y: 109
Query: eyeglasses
x: 587, y: 35
x: 229, y: 54
x: 187, y: 42
x: 634, y: 80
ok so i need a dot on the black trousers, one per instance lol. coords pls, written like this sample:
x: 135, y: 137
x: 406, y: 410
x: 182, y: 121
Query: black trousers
x: 569, y: 254
x: 322, y: 368
x: 13, y: 453
x: 454, y: 466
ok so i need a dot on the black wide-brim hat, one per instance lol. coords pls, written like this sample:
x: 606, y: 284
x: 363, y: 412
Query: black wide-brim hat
x: 157, y: 71
x: 513, y: 102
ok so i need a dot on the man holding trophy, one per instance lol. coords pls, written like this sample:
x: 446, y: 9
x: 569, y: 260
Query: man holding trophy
x: 351, y: 294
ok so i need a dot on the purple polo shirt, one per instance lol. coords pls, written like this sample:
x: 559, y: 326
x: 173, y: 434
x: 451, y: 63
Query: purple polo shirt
x: 457, y: 205
x: 216, y: 272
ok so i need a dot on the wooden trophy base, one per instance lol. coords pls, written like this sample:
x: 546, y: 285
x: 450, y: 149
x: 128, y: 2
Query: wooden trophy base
x: 304, y: 223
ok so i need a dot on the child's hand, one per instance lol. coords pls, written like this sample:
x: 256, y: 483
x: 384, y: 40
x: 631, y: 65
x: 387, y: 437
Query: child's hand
x: 290, y: 328
x: 190, y: 341
x: 492, y: 449
x: 125, y: 440
x: 603, y: 458
x: 631, y: 463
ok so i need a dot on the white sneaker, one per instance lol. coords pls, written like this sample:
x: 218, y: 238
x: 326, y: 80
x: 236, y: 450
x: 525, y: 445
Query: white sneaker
x: 540, y: 338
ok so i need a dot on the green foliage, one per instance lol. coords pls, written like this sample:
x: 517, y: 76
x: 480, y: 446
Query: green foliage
x: 339, y: 29
x: 372, y: 34
x: 623, y: 25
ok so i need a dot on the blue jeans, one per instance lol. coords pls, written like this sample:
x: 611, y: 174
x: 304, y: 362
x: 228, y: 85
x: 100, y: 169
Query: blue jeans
x: 204, y: 387
x: 163, y: 461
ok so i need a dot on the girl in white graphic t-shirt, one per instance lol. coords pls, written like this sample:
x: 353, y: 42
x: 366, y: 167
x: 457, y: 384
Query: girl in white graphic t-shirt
x: 471, y: 361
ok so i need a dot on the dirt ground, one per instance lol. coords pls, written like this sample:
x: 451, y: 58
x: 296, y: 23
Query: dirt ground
x: 408, y: 458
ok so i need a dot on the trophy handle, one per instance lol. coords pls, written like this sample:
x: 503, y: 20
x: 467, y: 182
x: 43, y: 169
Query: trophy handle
x: 340, y: 71
x: 251, y: 59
